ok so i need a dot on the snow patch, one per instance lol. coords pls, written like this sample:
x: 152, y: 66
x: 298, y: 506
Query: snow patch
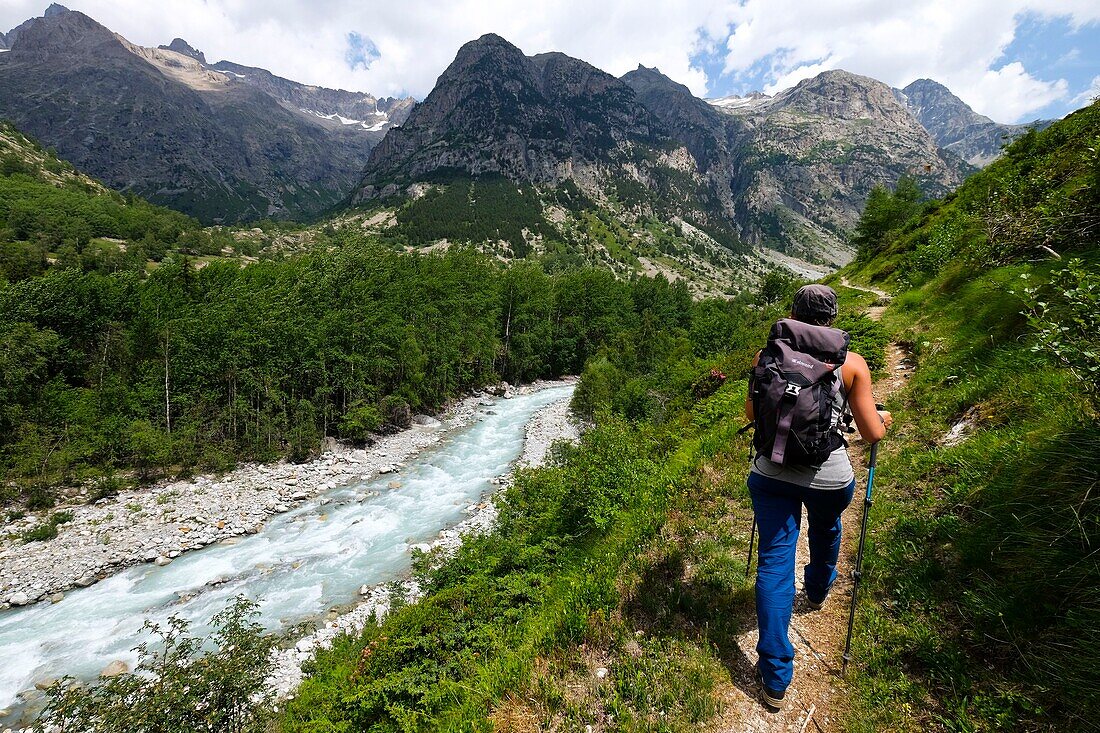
x: 347, y: 121
x: 735, y: 103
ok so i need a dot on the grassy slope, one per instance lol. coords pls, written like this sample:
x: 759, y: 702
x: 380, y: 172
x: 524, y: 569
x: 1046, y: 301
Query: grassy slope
x: 985, y: 610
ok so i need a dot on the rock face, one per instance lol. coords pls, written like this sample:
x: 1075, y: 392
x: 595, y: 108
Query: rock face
x: 162, y: 123
x: 790, y: 172
x: 805, y: 160
x: 540, y: 119
x: 357, y: 110
x: 955, y: 126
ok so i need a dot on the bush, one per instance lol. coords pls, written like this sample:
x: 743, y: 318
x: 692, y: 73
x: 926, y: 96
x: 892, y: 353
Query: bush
x: 360, y: 421
x: 1064, y: 315
x: 41, y: 533
x: 175, y: 689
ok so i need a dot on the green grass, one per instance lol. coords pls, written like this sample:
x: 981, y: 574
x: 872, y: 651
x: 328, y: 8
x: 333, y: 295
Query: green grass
x: 981, y: 559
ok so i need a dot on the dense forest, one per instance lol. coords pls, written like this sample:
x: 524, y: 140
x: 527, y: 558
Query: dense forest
x: 200, y: 368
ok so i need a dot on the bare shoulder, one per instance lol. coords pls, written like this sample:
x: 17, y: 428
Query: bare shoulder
x: 856, y: 362
x: 855, y: 367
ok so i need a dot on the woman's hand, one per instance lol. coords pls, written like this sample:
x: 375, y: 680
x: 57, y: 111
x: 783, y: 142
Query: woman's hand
x: 887, y: 418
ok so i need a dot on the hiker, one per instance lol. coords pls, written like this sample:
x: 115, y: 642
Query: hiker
x: 804, y: 390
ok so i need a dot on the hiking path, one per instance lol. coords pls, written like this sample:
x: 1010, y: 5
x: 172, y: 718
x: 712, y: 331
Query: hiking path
x: 816, y: 698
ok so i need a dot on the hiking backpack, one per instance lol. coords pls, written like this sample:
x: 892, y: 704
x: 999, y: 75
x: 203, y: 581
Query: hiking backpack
x: 792, y: 388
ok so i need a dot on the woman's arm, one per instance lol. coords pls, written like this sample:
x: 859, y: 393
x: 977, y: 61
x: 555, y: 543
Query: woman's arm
x: 872, y: 423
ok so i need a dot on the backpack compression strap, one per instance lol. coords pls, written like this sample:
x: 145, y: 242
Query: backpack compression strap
x: 783, y: 427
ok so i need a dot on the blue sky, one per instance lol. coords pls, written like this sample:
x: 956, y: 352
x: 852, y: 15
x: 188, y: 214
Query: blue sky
x: 1013, y: 60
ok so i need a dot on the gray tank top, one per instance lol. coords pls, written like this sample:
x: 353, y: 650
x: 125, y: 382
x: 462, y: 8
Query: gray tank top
x: 835, y: 473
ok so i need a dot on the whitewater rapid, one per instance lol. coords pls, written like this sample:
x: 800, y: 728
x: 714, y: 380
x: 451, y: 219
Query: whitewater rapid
x: 301, y: 564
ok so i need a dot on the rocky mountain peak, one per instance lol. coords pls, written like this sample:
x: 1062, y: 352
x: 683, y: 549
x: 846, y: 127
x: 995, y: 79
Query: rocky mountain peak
x: 63, y: 33
x: 495, y: 110
x: 645, y: 78
x: 181, y: 46
x: 954, y: 125
x: 933, y: 104
x: 3, y: 42
x: 843, y: 95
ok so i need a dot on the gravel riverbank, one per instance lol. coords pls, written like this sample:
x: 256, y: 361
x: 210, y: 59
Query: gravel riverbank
x: 159, y: 524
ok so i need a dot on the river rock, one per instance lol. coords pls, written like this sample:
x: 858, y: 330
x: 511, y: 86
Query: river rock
x: 86, y: 580
x: 299, y: 496
x: 57, y: 597
x: 394, y: 484
x: 45, y: 684
x: 114, y: 669
x: 18, y: 599
x: 162, y: 561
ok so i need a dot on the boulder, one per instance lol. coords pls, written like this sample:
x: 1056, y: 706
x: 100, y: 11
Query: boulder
x: 18, y: 599
x: 114, y: 669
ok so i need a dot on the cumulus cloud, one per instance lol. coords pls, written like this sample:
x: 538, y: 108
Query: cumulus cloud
x: 401, y: 48
x: 411, y: 42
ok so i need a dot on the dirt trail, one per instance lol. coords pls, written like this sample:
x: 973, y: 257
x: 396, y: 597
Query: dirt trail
x: 817, y: 695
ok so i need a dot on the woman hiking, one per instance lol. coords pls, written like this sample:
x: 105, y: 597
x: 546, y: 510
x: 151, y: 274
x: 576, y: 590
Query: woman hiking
x: 802, y: 387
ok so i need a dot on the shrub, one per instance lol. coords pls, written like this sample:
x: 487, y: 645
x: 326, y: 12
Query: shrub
x: 41, y: 533
x: 176, y: 689
x: 1065, y: 317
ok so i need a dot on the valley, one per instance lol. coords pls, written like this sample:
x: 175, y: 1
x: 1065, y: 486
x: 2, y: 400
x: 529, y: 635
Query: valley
x: 424, y: 410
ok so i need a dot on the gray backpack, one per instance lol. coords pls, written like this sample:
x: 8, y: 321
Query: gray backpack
x: 792, y: 389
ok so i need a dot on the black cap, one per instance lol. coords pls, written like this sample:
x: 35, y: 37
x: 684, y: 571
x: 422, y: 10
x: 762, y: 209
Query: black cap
x: 815, y: 304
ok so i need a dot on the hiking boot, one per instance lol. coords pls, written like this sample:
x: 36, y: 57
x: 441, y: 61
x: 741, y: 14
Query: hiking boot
x: 816, y: 605
x: 773, y: 699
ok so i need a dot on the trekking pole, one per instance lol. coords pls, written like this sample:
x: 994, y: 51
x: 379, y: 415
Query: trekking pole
x: 857, y: 573
x: 752, y: 537
x: 752, y: 532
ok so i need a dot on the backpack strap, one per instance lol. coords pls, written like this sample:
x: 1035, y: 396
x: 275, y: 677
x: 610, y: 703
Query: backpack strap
x: 782, y: 431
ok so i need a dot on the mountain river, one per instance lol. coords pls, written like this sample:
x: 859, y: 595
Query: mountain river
x: 301, y: 564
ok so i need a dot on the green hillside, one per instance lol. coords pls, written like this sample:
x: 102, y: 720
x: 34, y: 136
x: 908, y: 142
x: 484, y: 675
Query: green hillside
x: 613, y: 589
x: 986, y: 611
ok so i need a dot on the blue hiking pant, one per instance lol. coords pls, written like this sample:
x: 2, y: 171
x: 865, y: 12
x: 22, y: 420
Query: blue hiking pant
x: 778, y: 508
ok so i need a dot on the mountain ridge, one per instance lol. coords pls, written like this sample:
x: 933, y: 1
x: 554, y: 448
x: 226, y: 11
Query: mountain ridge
x: 790, y: 174
x: 164, y: 124
x: 956, y: 126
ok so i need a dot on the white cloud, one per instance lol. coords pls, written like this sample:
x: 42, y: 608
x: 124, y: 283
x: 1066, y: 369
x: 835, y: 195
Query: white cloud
x: 1089, y: 94
x: 956, y: 42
